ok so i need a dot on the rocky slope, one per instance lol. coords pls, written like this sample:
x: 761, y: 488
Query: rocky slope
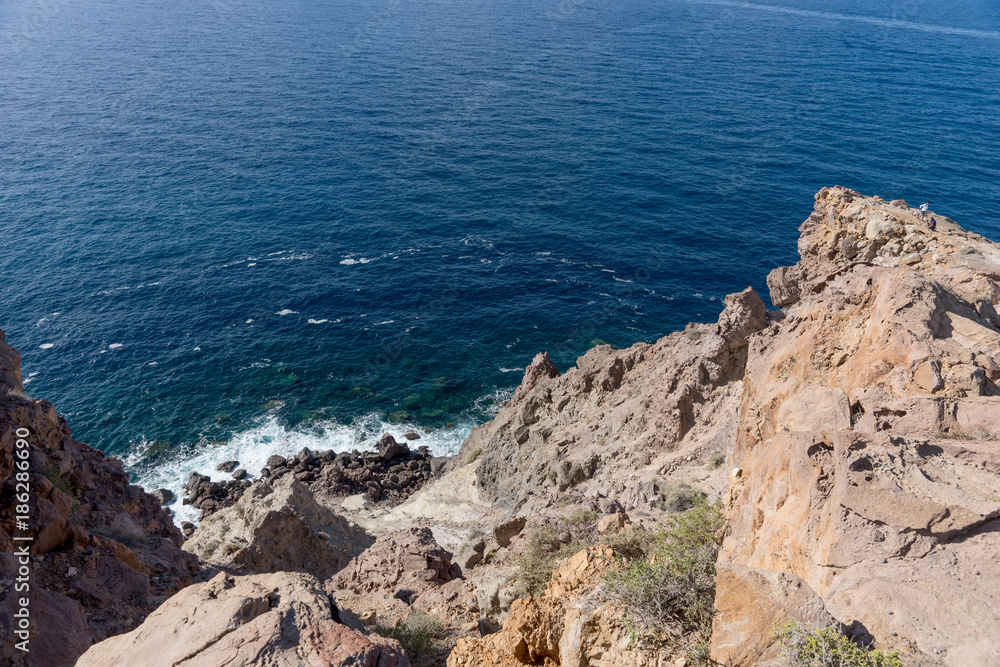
x: 853, y: 438
x: 274, y: 620
x: 103, y: 553
x: 866, y: 464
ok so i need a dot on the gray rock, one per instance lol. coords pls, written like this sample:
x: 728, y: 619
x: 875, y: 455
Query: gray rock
x: 389, y: 449
x: 508, y: 529
x: 165, y: 496
x: 228, y: 466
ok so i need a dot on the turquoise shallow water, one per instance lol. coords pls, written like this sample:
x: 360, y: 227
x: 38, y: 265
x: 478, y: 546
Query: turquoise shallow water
x: 232, y: 227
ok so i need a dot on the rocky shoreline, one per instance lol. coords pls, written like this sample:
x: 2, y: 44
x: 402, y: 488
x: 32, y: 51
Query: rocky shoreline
x: 851, y: 440
x: 387, y: 476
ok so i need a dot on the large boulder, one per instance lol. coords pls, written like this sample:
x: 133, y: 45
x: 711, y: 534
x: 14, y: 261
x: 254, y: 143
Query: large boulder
x: 274, y: 528
x: 402, y: 563
x: 281, y: 619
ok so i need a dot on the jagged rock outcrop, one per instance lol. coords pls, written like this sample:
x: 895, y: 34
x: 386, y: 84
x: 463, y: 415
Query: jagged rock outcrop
x: 103, y: 553
x: 617, y: 411
x: 406, y: 570
x: 574, y: 623
x: 867, y: 458
x: 278, y: 528
x: 539, y: 371
x: 403, y: 562
x: 271, y: 620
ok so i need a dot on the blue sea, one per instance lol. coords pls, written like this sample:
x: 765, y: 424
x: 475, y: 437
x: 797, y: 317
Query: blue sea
x: 234, y: 227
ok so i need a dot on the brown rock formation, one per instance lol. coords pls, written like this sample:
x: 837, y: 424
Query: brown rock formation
x: 279, y: 528
x: 273, y: 620
x: 103, y: 554
x: 615, y: 409
x: 867, y: 448
x: 539, y: 371
x: 401, y: 563
x: 572, y: 624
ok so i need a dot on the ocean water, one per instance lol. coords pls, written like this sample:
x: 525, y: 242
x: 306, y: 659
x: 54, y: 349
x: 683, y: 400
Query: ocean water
x: 233, y: 227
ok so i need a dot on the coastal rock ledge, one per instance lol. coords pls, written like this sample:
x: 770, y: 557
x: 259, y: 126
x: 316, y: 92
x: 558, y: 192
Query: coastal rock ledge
x: 852, y: 438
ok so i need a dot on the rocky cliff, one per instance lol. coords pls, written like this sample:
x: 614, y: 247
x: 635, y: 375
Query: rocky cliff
x: 866, y: 462
x: 103, y: 554
x: 852, y: 438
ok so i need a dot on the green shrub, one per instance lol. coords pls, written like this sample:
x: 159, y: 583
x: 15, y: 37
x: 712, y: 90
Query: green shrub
x: 551, y: 543
x: 828, y: 647
x: 569, y: 474
x: 716, y: 460
x: 631, y: 542
x: 672, y: 587
x: 416, y: 634
x: 51, y: 472
x: 678, y: 497
x: 473, y: 455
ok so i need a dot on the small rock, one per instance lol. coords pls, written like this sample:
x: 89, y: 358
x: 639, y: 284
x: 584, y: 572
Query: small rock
x: 239, y: 473
x: 228, y: 466
x: 276, y: 462
x: 369, y: 617
x: 412, y: 435
x: 612, y: 523
x: 505, y: 531
x: 165, y: 496
x: 389, y: 449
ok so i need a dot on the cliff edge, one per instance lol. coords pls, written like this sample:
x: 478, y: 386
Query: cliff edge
x: 866, y: 462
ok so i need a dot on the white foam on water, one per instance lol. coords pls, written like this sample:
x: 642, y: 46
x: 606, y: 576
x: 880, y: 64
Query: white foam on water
x: 253, y: 446
x: 197, y: 349
x: 252, y: 264
x: 872, y: 20
x: 348, y: 262
x: 46, y: 346
x: 153, y: 363
x: 249, y: 322
x: 312, y: 321
x: 286, y: 311
x: 114, y: 346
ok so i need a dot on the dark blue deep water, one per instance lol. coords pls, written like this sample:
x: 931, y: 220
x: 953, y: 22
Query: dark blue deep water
x: 237, y: 226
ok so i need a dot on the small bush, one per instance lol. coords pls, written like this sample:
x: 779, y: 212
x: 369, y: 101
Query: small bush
x: 629, y: 543
x: 551, y: 543
x: 828, y: 647
x: 569, y: 474
x: 679, y: 497
x: 581, y: 517
x: 416, y: 634
x: 672, y: 588
x: 51, y: 472
x: 473, y: 455
x: 716, y: 460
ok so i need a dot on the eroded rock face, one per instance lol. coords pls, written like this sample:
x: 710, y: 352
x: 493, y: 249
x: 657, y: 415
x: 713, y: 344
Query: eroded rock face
x: 103, y: 554
x: 281, y: 619
x: 868, y: 447
x: 278, y: 528
x: 616, y: 411
x: 401, y: 563
x: 572, y: 624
